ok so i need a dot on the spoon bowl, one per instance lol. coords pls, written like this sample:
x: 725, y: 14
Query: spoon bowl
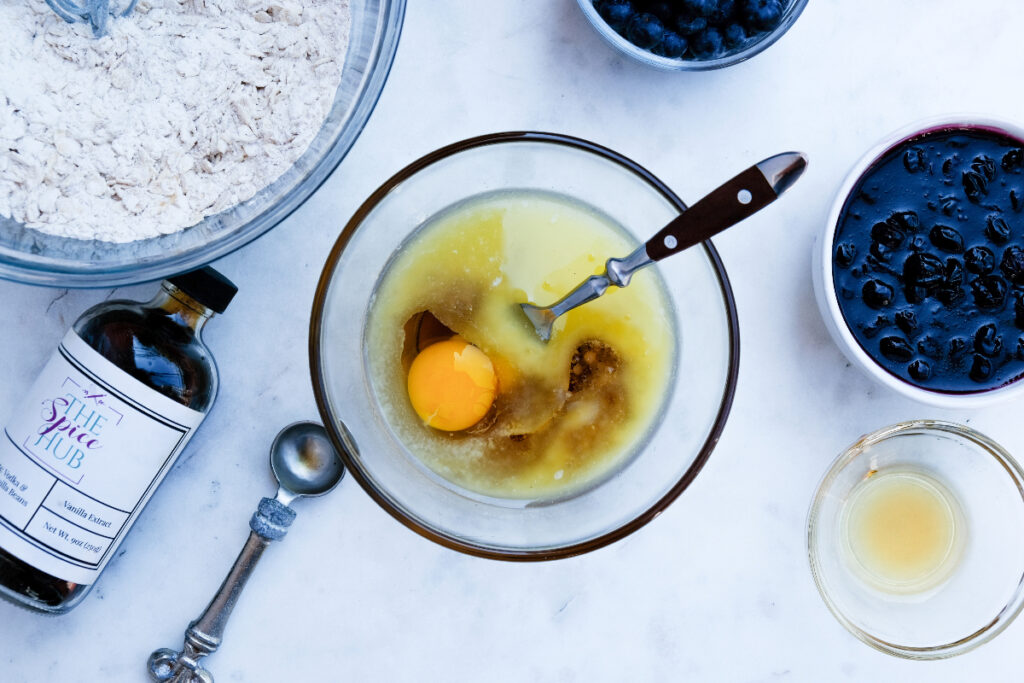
x: 304, y: 460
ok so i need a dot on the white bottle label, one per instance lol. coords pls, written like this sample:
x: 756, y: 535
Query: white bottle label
x: 79, y: 459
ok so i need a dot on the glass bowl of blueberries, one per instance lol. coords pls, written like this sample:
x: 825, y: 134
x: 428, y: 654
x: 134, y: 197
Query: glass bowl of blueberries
x: 692, y: 35
x: 919, y: 273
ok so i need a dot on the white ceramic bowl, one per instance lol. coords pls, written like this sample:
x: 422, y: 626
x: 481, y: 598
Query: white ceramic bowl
x: 824, y: 284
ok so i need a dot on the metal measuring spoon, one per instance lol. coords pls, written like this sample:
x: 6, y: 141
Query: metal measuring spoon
x: 739, y: 198
x: 305, y: 464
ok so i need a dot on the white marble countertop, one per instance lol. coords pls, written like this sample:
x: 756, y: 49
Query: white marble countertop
x: 718, y: 587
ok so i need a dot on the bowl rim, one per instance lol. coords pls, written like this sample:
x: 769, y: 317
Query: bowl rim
x: 828, y: 301
x: 343, y: 441
x: 376, y: 71
x: 1000, y: 621
x: 792, y: 13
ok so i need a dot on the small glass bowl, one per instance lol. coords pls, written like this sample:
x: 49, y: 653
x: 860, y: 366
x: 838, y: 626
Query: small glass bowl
x: 700, y: 394
x: 792, y: 13
x: 824, y: 281
x: 37, y: 258
x: 985, y: 591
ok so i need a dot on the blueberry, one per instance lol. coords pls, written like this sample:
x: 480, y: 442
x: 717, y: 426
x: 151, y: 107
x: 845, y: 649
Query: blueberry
x: 616, y: 13
x: 724, y: 9
x: 871, y: 330
x: 979, y: 260
x: 688, y: 25
x: 981, y: 368
x: 997, y: 230
x: 659, y: 8
x: 957, y: 347
x: 896, y: 349
x: 699, y: 8
x: 906, y: 321
x: 734, y: 36
x: 1020, y: 348
x: 845, y: 254
x: 877, y: 294
x: 888, y: 234
x: 763, y: 15
x: 920, y: 371
x: 914, y: 160
x: 881, y: 252
x: 1012, y: 265
x: 947, y: 239
x: 954, y: 273
x: 985, y: 166
x: 1013, y: 159
x: 907, y: 221
x: 644, y: 30
x: 929, y: 346
x: 923, y: 270
x: 989, y: 291
x: 987, y: 341
x: 671, y: 45
x: 1017, y: 199
x: 707, y: 44
x: 977, y: 179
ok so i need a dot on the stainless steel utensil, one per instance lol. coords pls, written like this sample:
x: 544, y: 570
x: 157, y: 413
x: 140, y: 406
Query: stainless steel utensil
x: 739, y: 198
x: 305, y: 464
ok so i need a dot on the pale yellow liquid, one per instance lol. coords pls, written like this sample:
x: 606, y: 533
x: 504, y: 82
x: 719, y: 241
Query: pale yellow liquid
x: 471, y: 267
x: 904, y: 530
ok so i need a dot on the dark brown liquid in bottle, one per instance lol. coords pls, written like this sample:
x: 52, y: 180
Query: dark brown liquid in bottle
x: 159, y: 344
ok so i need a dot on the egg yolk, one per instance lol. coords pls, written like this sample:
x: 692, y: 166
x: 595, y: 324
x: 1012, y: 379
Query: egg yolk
x: 452, y: 385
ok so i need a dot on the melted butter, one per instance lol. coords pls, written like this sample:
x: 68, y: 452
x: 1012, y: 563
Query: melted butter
x: 471, y: 267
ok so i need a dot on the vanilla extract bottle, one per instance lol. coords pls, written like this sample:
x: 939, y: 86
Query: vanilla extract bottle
x: 96, y: 434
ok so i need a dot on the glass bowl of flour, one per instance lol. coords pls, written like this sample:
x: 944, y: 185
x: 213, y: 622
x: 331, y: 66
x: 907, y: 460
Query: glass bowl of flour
x: 190, y: 129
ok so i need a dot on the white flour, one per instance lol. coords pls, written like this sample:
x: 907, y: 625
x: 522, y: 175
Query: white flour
x: 185, y: 109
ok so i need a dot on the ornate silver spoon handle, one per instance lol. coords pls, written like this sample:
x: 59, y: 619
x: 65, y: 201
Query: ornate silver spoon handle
x: 205, y: 634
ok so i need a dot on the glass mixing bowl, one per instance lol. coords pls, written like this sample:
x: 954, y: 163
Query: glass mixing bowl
x: 34, y: 257
x: 700, y: 394
x: 985, y: 591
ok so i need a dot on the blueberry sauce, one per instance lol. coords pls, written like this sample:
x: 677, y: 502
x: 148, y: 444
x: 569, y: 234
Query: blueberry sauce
x: 928, y: 260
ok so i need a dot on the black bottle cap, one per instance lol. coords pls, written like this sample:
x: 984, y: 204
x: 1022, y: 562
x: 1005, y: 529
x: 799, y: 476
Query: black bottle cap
x: 206, y: 286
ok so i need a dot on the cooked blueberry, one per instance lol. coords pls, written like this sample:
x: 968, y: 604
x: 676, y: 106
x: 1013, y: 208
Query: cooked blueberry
x: 734, y: 36
x: 947, y: 239
x: 688, y: 25
x: 877, y: 294
x: 1017, y: 199
x: 888, y: 234
x: 882, y: 253
x: 984, y: 166
x: 1013, y: 159
x: 616, y: 12
x: 923, y: 270
x: 954, y: 273
x: 723, y: 11
x: 707, y: 44
x: 880, y: 323
x: 997, y: 230
x: 979, y: 260
x: 914, y: 160
x: 976, y: 180
x: 989, y: 291
x: 644, y: 30
x: 906, y: 221
x: 919, y: 370
x: 987, y: 341
x: 1012, y: 265
x: 906, y: 321
x: 947, y: 166
x: 845, y: 254
x: 929, y: 346
x: 1020, y: 348
x: 671, y: 45
x: 957, y: 347
x: 981, y: 368
x: 699, y: 8
x: 896, y: 349
x: 948, y: 205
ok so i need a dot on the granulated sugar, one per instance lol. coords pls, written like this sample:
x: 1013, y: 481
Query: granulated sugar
x: 185, y: 109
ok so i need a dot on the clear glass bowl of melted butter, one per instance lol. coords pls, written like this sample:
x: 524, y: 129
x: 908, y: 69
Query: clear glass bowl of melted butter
x: 539, y: 450
x: 913, y: 539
